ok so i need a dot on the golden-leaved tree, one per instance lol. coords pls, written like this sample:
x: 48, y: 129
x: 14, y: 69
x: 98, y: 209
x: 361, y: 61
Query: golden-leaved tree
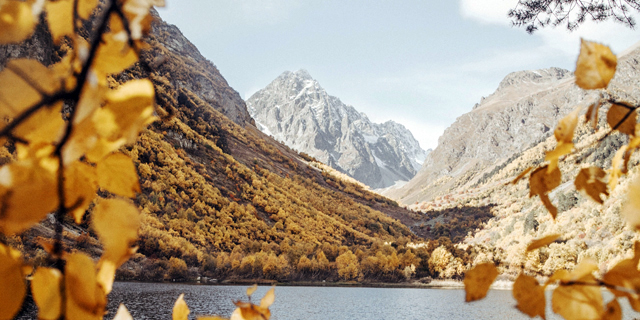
x: 578, y: 294
x: 66, y: 123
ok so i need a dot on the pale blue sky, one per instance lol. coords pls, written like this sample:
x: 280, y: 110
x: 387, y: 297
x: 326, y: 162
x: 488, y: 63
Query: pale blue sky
x: 419, y: 63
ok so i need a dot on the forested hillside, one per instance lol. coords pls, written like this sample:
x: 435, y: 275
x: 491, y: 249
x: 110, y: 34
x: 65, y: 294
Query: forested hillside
x: 220, y: 199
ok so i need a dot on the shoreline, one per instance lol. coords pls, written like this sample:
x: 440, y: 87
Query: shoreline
x: 434, y: 284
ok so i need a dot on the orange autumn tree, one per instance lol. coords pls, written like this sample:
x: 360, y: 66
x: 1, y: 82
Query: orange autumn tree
x: 578, y: 294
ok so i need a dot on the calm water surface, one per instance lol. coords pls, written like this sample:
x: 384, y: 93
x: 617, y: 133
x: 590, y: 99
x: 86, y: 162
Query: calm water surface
x: 155, y: 301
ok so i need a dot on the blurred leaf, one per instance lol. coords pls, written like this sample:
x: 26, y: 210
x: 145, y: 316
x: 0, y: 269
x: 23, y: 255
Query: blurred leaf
x: 20, y: 183
x: 615, y: 118
x: 578, y: 301
x: 30, y: 79
x: 592, y: 114
x: 521, y: 175
x: 268, y: 298
x: 590, y: 181
x: 123, y: 313
x: 616, y: 167
x: 116, y: 222
x: 566, y: 126
x: 180, y: 309
x: 114, y: 56
x: 538, y: 243
x: 252, y: 289
x: 595, y: 67
x: 11, y: 281
x: 117, y: 174
x: 612, y: 311
x: 80, y: 186
x: 84, y: 298
x: 17, y: 22
x: 45, y: 125
x: 60, y: 18
x: 85, y: 7
x: 530, y: 296
x: 46, y: 286
x: 478, y: 280
x: 631, y: 209
x: 541, y: 182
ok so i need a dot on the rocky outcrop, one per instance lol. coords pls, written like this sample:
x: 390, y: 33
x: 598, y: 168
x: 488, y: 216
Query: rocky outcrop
x: 295, y: 109
x: 195, y: 72
x: 522, y: 112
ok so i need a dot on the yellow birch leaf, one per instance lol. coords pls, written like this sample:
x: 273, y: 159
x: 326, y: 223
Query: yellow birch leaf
x: 17, y: 22
x: 114, y: 56
x: 542, y: 181
x: 80, y: 281
x: 538, y: 243
x: 123, y: 313
x: 592, y: 114
x: 180, y: 309
x: 612, y: 311
x: 132, y: 108
x: 83, y: 138
x: 625, y: 274
x: 521, y: 175
x: 30, y: 79
x: 252, y: 289
x: 45, y: 125
x: 249, y: 311
x: 530, y: 296
x: 268, y: 298
x: 478, y: 280
x: 102, y: 148
x: 117, y: 174
x: 11, y: 281
x: 635, y: 140
x: 585, y: 268
x: 80, y: 184
x: 595, y: 67
x: 589, y: 180
x: 60, y: 18
x: 557, y: 275
x: 566, y: 126
x: 550, y: 207
x: 85, y: 8
x: 616, y: 119
x: 47, y: 293
x: 24, y: 181
x: 90, y: 101
x: 631, y: 209
x: 616, y: 167
x: 578, y: 301
x: 562, y: 148
x: 116, y: 222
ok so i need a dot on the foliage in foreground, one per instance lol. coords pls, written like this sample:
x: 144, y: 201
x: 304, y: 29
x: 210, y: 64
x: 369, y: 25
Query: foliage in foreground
x: 578, y: 294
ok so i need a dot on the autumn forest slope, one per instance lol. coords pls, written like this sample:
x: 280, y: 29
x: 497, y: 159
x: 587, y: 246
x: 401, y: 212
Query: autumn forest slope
x: 221, y: 199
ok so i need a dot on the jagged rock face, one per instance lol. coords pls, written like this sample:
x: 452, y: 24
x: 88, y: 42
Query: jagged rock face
x: 522, y: 112
x: 199, y: 75
x: 295, y: 109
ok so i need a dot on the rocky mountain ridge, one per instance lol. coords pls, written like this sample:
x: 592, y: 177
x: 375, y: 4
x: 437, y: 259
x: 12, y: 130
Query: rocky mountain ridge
x: 295, y: 109
x: 519, y: 114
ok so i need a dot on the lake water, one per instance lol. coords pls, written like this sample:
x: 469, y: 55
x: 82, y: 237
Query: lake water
x: 155, y: 301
